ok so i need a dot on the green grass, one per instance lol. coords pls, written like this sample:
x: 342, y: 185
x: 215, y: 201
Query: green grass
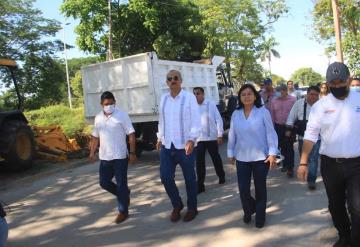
x: 72, y: 121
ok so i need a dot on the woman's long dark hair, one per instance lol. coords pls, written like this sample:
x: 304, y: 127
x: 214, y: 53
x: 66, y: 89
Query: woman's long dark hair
x: 257, y: 102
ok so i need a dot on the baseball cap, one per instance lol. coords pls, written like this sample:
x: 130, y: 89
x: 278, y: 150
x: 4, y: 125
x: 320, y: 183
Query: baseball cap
x: 267, y: 81
x: 337, y: 71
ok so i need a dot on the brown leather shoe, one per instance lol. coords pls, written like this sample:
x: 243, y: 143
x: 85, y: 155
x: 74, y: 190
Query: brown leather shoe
x: 175, y: 214
x: 190, y: 215
x: 121, y: 217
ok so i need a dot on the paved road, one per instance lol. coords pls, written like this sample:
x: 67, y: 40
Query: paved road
x: 69, y: 208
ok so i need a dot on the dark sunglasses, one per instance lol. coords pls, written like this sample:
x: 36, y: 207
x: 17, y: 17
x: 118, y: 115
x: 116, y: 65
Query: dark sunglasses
x: 175, y: 78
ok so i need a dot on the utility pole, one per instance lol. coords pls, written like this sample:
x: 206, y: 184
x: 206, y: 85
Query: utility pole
x: 110, y: 55
x: 66, y: 66
x: 335, y: 9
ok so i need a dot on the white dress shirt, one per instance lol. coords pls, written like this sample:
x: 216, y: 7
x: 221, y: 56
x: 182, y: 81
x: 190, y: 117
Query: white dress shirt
x: 211, y: 121
x: 112, y: 131
x: 297, y: 113
x: 337, y: 122
x: 254, y: 138
x: 179, y: 120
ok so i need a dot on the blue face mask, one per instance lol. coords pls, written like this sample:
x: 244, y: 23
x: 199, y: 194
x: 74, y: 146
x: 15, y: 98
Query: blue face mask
x: 277, y: 94
x: 355, y: 88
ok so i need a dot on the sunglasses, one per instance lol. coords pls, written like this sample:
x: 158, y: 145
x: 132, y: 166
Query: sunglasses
x: 197, y: 93
x: 175, y: 78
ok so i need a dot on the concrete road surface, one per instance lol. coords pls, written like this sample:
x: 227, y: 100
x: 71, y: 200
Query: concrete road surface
x: 69, y: 208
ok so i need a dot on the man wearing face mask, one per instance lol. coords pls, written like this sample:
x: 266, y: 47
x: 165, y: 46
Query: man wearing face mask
x: 355, y: 84
x: 336, y: 117
x: 110, y: 129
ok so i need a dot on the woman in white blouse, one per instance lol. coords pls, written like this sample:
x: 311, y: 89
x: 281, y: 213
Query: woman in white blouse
x: 253, y: 143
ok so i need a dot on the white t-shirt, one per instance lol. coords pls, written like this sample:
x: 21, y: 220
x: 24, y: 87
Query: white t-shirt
x: 338, y: 123
x: 112, y: 131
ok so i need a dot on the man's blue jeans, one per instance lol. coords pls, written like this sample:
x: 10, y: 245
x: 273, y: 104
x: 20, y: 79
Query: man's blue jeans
x: 169, y: 158
x: 118, y: 168
x: 4, y: 229
x: 259, y: 170
x: 313, y: 160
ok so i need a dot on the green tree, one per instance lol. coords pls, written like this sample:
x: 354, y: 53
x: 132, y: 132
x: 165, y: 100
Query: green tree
x: 168, y: 27
x: 26, y: 37
x: 268, y: 51
x: 236, y: 30
x: 306, y: 77
x: 277, y: 79
x: 350, y: 25
x: 75, y: 64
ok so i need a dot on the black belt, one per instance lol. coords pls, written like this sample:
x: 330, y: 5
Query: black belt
x: 344, y: 160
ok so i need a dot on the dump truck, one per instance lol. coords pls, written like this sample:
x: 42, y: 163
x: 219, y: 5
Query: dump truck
x: 138, y: 82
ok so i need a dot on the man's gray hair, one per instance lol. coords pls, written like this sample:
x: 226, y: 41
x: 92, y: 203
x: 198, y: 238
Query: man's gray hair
x: 174, y: 70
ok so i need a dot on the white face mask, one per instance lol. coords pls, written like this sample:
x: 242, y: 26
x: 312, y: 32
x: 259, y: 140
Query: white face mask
x: 355, y: 88
x: 109, y: 109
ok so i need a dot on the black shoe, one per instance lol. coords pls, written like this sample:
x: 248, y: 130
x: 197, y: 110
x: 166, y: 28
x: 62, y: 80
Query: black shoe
x: 259, y: 224
x: 283, y: 169
x: 342, y: 242
x: 311, y: 185
x: 201, y: 189
x: 222, y: 180
x: 247, y: 219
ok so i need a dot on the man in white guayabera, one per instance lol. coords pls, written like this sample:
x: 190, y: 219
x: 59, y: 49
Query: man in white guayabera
x: 179, y: 128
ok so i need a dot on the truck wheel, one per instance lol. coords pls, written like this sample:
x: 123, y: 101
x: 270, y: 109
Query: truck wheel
x: 21, y: 145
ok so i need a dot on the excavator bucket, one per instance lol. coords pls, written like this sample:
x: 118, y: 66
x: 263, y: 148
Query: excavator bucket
x: 53, y: 144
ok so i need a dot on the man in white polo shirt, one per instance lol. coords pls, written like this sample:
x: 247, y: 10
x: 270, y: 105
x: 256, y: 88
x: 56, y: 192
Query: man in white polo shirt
x: 111, y: 128
x: 179, y: 127
x: 336, y: 118
x: 211, y: 136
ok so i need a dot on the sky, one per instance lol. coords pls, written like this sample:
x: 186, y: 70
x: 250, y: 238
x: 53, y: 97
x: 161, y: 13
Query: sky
x: 293, y: 33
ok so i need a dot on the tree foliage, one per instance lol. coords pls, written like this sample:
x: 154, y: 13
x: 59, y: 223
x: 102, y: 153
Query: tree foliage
x: 236, y: 29
x: 350, y: 26
x: 168, y: 27
x: 180, y: 29
x: 268, y: 51
x: 25, y: 36
x: 306, y: 77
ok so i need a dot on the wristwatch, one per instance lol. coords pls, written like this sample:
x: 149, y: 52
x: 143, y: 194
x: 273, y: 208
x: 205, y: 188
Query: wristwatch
x: 132, y: 153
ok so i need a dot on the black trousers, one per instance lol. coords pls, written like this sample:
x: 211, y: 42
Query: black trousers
x: 286, y: 146
x: 342, y: 184
x: 213, y: 150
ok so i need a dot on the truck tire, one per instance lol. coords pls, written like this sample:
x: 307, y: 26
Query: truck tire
x: 21, y: 145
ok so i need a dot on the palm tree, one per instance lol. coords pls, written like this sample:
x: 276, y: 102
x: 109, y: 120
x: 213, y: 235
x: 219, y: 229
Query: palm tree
x: 268, y: 51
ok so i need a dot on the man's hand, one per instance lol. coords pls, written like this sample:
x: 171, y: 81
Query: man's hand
x: 158, y: 145
x: 232, y: 160
x: 132, y: 158
x: 220, y: 140
x: 92, y: 157
x: 271, y: 159
x: 189, y: 147
x: 302, y: 173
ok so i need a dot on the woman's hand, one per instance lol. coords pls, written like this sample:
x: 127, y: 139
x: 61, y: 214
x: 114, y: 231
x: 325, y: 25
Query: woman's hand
x: 232, y: 160
x: 271, y: 159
